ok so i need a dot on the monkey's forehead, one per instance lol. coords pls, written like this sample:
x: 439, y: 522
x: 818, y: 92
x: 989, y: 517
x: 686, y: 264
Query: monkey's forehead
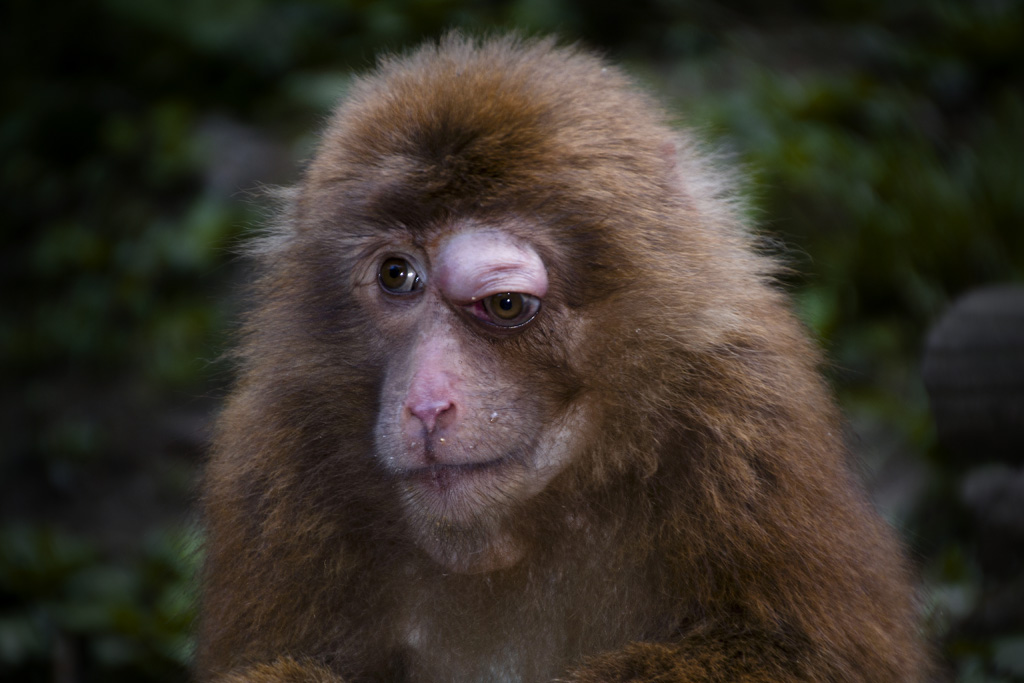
x: 495, y: 117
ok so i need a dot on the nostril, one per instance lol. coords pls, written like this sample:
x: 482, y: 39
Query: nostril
x: 430, y: 412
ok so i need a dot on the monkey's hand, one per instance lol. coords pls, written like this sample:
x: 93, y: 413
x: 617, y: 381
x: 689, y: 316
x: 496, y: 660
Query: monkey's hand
x: 750, y: 658
x: 283, y: 670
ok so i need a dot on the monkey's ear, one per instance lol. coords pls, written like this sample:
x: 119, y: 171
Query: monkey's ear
x: 669, y: 151
x: 707, y: 180
x: 278, y: 221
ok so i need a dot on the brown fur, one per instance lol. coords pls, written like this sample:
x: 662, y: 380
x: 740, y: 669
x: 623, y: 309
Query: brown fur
x: 706, y: 529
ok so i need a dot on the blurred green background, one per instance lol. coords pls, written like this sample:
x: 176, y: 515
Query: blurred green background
x: 883, y: 140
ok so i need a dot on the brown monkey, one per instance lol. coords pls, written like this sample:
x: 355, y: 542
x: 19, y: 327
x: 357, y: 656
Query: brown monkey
x: 519, y: 402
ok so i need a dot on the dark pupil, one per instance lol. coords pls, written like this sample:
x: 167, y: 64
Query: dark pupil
x: 396, y: 272
x: 505, y: 303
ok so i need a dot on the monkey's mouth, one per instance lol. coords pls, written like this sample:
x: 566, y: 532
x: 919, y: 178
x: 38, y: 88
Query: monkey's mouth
x: 446, y: 476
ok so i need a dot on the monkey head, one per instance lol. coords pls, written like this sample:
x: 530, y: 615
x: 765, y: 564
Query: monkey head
x: 463, y: 264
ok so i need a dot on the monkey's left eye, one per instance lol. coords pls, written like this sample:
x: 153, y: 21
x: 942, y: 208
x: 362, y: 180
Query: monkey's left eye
x: 398, y: 276
x: 507, y: 309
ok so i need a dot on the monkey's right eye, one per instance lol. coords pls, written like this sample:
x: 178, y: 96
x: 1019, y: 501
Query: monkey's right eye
x: 398, y: 276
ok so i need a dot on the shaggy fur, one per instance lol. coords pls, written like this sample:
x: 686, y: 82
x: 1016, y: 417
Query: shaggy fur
x: 706, y: 529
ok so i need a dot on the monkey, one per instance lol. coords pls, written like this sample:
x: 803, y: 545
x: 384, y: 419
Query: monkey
x: 520, y: 398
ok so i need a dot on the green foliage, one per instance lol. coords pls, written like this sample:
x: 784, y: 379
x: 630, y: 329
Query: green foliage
x: 60, y: 599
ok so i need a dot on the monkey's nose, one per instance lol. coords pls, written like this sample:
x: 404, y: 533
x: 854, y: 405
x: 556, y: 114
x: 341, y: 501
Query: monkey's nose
x: 430, y: 413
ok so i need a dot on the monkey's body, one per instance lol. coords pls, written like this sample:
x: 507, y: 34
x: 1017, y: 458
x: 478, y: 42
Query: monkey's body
x: 520, y: 403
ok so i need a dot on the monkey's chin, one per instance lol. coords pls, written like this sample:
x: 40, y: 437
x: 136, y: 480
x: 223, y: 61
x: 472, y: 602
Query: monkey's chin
x: 458, y: 513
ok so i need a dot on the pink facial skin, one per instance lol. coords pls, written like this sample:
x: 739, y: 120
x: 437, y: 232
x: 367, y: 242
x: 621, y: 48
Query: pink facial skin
x: 442, y: 391
x: 474, y: 265
x: 457, y: 427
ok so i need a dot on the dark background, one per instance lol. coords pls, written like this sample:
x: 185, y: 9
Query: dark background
x: 883, y: 142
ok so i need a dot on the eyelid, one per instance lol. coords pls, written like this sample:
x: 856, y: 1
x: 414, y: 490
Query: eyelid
x: 476, y: 265
x: 491, y: 280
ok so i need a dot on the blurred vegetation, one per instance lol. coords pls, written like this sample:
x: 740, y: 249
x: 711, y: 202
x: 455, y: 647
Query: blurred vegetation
x: 884, y: 140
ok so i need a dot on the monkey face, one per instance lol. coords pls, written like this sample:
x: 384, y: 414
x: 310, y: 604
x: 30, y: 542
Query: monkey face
x: 465, y: 438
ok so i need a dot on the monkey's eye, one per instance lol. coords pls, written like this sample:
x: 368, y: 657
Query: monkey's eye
x: 398, y: 276
x: 507, y: 309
